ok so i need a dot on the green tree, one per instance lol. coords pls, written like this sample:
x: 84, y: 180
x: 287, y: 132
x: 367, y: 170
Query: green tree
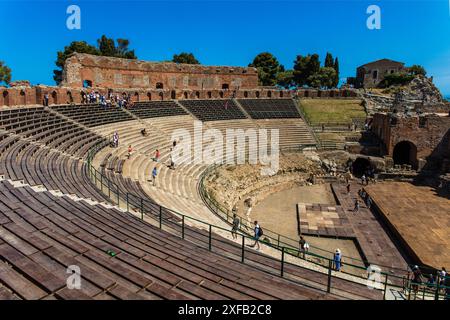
x: 285, y: 79
x: 396, y: 79
x: 417, y: 70
x: 105, y: 47
x: 268, y: 68
x: 185, y: 57
x: 336, y: 68
x: 305, y: 67
x: 329, y: 60
x: 5, y: 73
x: 324, y: 78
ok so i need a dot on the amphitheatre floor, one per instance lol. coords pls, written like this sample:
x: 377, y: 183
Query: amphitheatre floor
x: 420, y: 217
x: 277, y: 212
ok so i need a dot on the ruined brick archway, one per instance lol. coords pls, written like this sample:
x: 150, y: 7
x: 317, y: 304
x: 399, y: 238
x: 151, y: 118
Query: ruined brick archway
x: 23, y: 97
x: 405, y: 152
x: 5, y: 96
x: 360, y: 166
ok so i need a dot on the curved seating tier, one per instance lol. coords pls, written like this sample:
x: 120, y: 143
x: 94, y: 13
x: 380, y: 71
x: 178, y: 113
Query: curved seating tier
x: 118, y: 255
x: 42, y: 233
x: 92, y: 115
x: 153, y: 109
x: 270, y: 108
x: 210, y: 110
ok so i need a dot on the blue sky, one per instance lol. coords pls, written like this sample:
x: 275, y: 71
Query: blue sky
x: 232, y: 32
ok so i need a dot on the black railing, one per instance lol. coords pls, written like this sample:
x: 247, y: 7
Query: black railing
x: 285, y: 264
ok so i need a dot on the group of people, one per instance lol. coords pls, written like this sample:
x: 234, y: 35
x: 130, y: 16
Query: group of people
x: 366, y: 198
x: 123, y: 101
x: 441, y: 279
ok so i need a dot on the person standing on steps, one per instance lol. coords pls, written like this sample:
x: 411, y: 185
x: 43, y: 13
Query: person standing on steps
x: 235, y: 227
x: 302, y: 243
x: 130, y: 150
x: 154, y: 174
x: 258, y: 234
x: 356, y: 208
x: 337, y: 260
x: 157, y: 155
x: 46, y: 100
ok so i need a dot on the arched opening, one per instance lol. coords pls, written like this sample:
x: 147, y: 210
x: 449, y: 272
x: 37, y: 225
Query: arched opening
x: 185, y: 95
x: 136, y: 97
x: 197, y: 94
x: 281, y: 94
x: 269, y: 94
x: 360, y: 166
x: 23, y: 98
x: 6, y: 98
x: 221, y: 94
x: 87, y: 84
x: 161, y: 96
x: 159, y: 85
x: 55, y: 97
x: 173, y: 95
x: 405, y: 152
x: 257, y: 94
x: 69, y: 97
x: 245, y: 94
x: 149, y: 96
x: 225, y: 86
x: 306, y: 93
x: 209, y: 94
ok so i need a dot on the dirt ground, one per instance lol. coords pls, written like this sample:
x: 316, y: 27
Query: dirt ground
x: 277, y: 213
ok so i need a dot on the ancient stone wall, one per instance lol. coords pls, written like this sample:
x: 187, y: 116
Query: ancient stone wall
x: 34, y: 95
x: 108, y: 72
x: 427, y: 133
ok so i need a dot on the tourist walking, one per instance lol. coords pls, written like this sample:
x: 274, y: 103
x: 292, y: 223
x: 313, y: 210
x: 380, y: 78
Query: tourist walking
x: 416, y: 278
x: 442, y: 274
x: 235, y: 226
x: 258, y: 233
x: 115, y: 139
x: 154, y: 174
x: 157, y: 155
x: 356, y: 208
x: 363, y: 179
x: 337, y: 260
x: 46, y: 100
x: 130, y: 150
x: 303, y: 246
x: 348, y: 188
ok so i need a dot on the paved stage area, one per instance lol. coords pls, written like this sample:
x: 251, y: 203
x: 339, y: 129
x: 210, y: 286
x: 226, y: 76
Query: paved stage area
x: 420, y: 216
x: 324, y: 220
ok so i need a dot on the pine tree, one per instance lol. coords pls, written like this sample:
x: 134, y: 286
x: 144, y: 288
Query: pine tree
x: 329, y: 61
x: 336, y: 68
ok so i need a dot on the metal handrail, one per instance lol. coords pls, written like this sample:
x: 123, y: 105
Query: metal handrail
x: 155, y: 211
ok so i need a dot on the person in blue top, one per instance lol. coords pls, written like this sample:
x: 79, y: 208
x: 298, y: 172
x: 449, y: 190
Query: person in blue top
x: 154, y: 174
x: 258, y: 234
x: 337, y: 259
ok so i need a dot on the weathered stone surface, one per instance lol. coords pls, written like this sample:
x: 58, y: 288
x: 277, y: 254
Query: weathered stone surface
x: 125, y: 73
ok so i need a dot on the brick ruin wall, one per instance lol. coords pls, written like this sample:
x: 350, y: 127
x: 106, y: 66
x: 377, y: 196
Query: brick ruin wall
x: 113, y: 73
x: 34, y: 95
x: 429, y: 133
